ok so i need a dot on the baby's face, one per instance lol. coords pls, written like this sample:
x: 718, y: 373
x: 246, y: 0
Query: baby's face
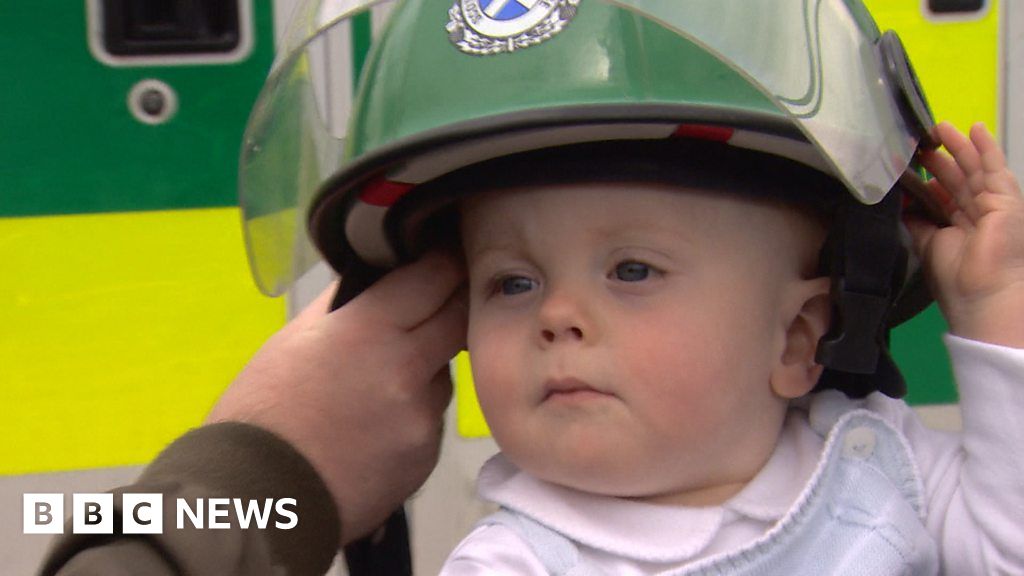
x: 622, y: 336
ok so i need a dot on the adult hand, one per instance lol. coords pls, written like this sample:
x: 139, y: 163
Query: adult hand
x: 361, y: 392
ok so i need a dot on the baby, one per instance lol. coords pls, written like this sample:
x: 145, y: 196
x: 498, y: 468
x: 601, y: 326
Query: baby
x: 643, y: 354
x: 619, y: 332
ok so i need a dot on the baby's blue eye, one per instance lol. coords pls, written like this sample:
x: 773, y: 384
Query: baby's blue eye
x: 632, y: 271
x: 512, y: 285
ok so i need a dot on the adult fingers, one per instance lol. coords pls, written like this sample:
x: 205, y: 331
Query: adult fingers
x: 313, y: 311
x: 440, y: 393
x: 435, y: 342
x: 410, y: 295
x: 443, y: 335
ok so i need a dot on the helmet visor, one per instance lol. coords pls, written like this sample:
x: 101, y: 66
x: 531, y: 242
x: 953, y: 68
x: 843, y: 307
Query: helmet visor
x: 818, y: 62
x: 295, y: 136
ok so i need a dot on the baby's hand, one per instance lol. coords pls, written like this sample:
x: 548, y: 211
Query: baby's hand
x: 975, y: 266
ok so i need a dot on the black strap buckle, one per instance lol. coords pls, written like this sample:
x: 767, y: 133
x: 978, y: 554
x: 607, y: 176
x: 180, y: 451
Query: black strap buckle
x: 854, y: 342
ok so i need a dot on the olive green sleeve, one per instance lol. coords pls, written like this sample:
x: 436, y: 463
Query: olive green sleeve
x: 226, y: 460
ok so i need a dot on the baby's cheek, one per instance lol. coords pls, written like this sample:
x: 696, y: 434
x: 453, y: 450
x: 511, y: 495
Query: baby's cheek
x: 493, y: 375
x: 664, y: 357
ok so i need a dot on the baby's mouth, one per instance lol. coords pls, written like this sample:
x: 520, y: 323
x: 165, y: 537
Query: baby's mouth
x: 571, y: 389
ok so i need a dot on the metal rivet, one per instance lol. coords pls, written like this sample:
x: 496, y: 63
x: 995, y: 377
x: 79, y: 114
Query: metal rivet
x: 152, y: 102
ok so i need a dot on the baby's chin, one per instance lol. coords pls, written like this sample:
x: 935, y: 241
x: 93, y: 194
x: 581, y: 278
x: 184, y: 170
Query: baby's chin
x: 613, y: 480
x: 599, y: 464
x: 641, y: 490
x: 639, y: 483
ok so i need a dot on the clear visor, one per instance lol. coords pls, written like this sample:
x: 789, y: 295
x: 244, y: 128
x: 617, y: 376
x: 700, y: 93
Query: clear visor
x: 296, y: 132
x: 295, y: 139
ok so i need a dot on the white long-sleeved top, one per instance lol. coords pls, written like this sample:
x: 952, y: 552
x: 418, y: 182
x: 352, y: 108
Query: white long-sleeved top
x: 973, y: 483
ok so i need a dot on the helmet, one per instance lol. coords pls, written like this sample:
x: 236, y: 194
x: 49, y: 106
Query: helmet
x: 808, y: 96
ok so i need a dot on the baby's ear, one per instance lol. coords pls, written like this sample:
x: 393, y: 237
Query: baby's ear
x: 808, y: 315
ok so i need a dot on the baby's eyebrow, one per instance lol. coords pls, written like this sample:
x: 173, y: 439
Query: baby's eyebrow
x: 490, y: 250
x: 647, y: 232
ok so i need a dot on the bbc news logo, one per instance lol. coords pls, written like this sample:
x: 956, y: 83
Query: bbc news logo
x: 144, y: 513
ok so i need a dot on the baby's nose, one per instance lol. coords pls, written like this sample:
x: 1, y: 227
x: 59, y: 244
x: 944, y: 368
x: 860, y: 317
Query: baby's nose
x: 569, y: 333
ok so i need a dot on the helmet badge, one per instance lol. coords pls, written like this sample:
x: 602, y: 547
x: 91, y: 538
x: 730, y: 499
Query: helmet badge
x: 494, y: 26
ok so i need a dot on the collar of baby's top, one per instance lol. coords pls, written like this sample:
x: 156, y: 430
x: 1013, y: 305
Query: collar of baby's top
x: 650, y: 532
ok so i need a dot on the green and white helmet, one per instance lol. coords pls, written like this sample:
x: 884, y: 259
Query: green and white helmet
x: 800, y: 99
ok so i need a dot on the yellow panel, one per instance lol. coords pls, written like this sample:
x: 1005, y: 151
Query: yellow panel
x: 470, y: 417
x: 956, y: 60
x: 119, y: 331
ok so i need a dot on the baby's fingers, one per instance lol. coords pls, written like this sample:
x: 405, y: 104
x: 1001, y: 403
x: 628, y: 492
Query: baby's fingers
x: 989, y: 153
x: 963, y: 150
x: 952, y: 186
x: 921, y: 233
x: 999, y: 179
x: 949, y: 189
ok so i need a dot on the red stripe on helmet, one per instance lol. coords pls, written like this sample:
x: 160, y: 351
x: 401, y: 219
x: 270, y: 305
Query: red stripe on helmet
x: 384, y: 193
x: 704, y: 132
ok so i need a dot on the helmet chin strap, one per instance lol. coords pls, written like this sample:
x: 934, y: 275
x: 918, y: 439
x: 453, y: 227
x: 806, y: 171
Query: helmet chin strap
x: 867, y: 262
x: 386, y: 552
